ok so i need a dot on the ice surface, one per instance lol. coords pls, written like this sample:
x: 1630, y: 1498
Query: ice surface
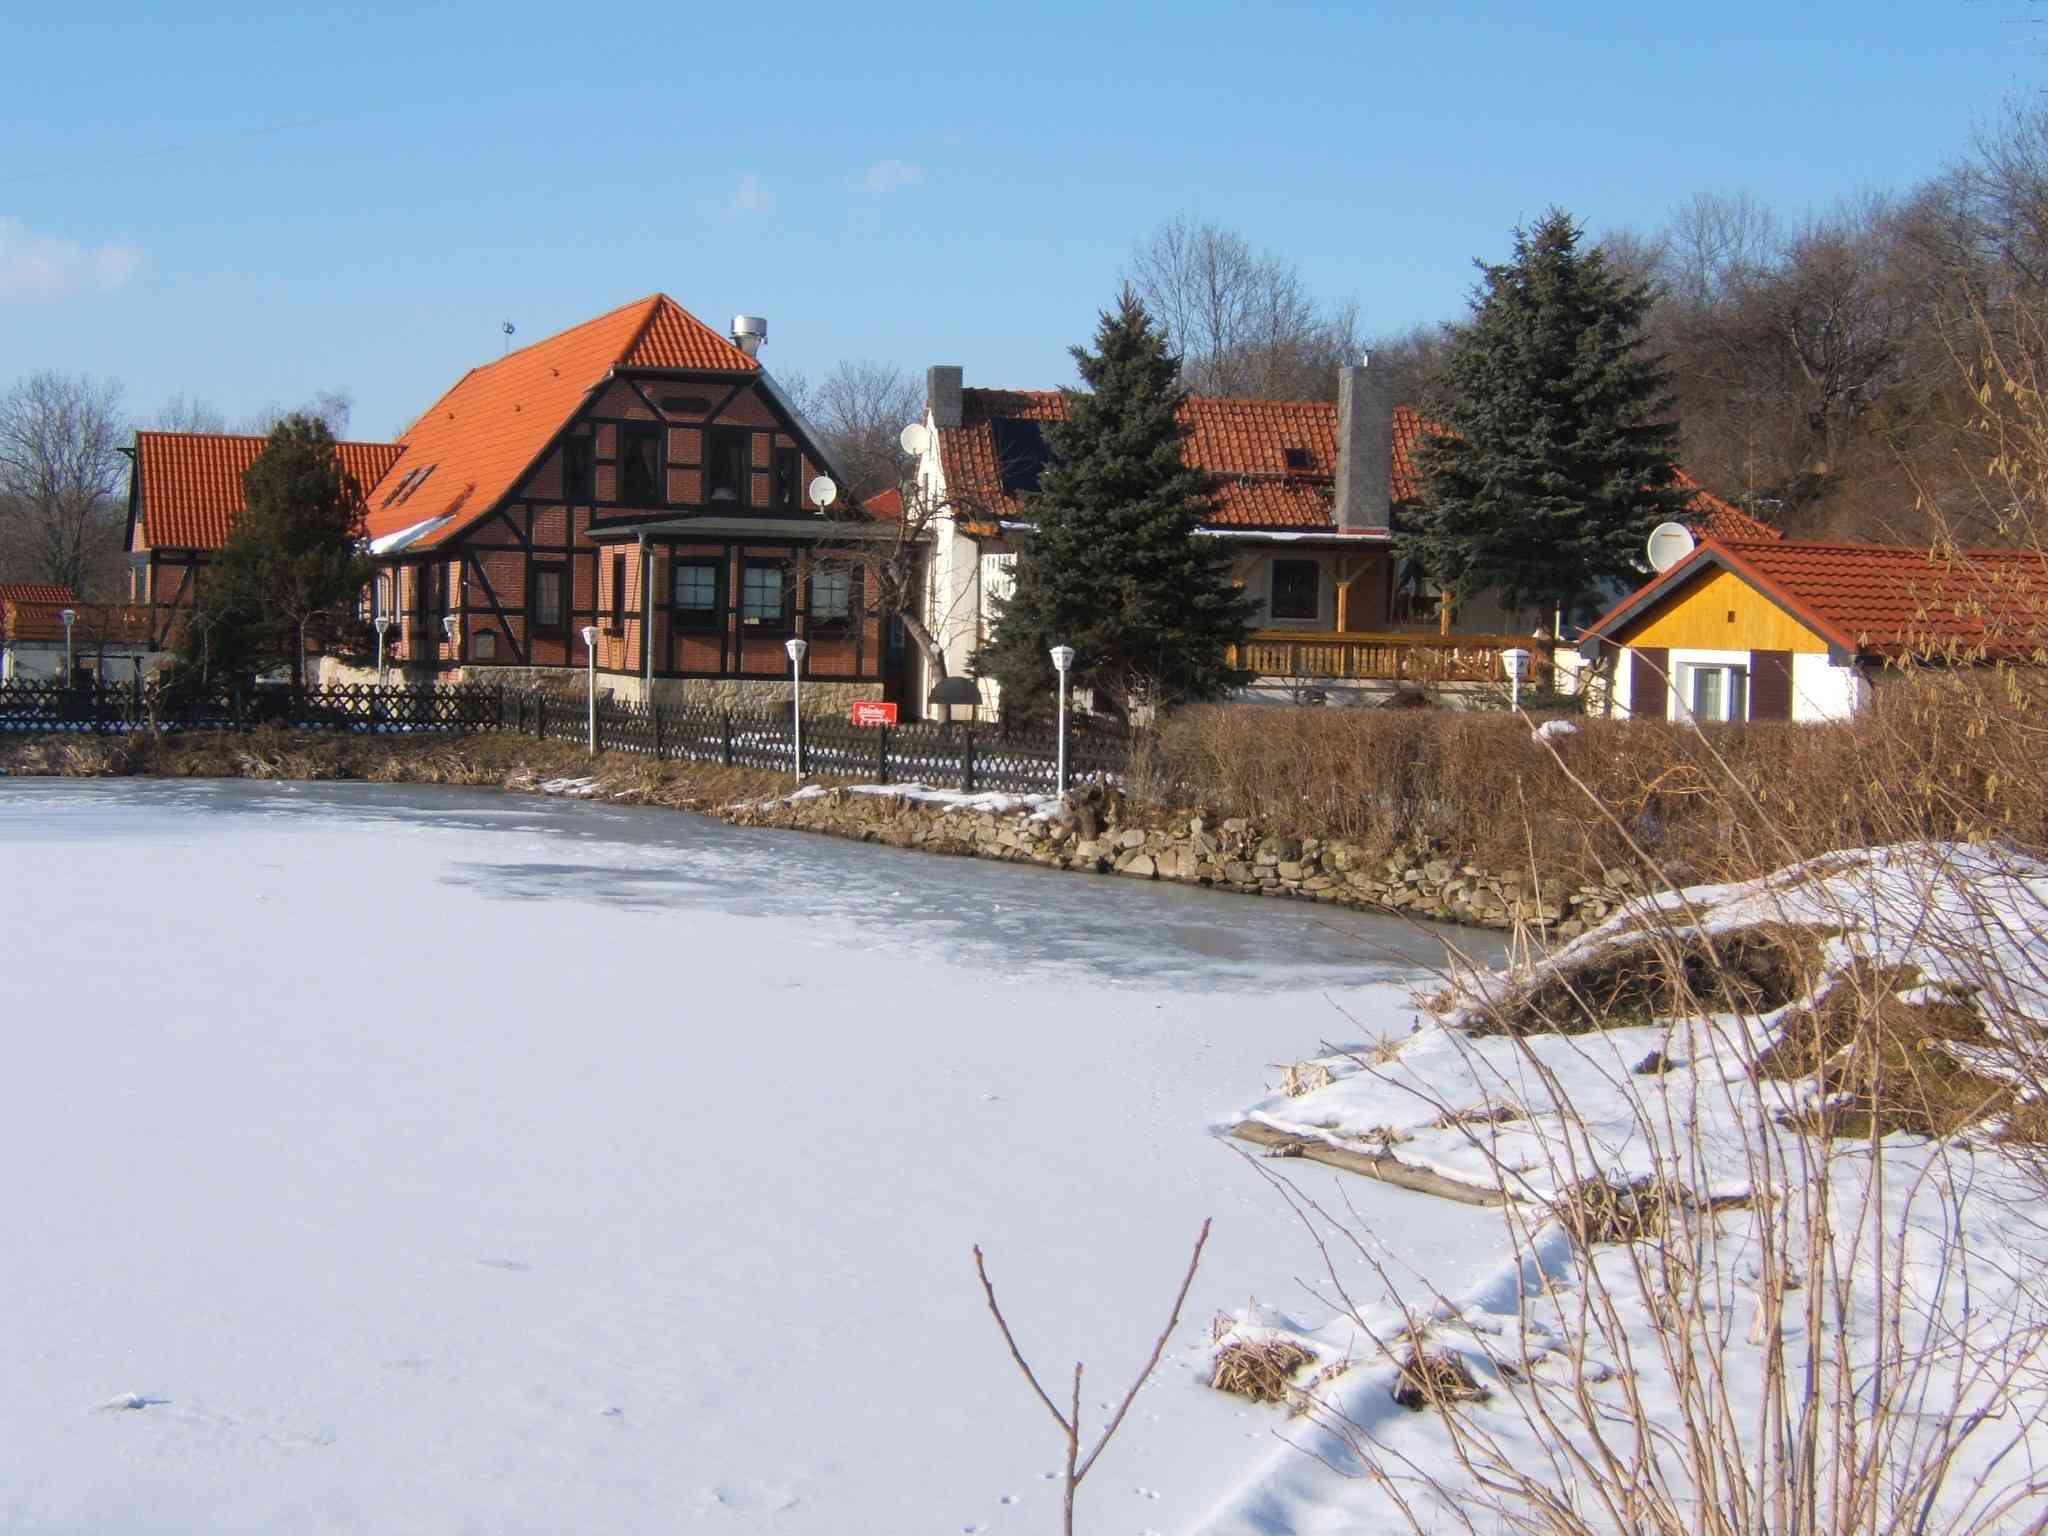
x: 409, y: 1161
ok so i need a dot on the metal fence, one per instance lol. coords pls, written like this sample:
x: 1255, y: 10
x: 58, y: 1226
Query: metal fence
x: 966, y: 757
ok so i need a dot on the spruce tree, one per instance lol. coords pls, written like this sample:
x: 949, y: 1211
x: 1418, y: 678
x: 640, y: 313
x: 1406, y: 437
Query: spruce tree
x: 1555, y: 459
x: 292, y: 570
x: 1115, y: 566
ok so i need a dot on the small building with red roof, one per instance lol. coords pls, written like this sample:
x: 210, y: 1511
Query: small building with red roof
x: 1794, y: 630
x: 35, y: 635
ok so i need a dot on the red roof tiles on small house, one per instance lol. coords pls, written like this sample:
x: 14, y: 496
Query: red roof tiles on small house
x: 192, y: 482
x: 480, y: 439
x: 1276, y: 460
x: 1875, y: 599
x: 36, y: 592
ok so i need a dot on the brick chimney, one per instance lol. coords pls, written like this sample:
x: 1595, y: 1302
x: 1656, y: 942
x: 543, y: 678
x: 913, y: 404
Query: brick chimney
x: 942, y: 394
x: 1365, y: 448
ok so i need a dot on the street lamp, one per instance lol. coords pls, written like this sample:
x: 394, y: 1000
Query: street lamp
x: 796, y: 649
x: 1517, y: 663
x: 590, y: 679
x: 1063, y: 660
x: 448, y: 629
x: 70, y: 617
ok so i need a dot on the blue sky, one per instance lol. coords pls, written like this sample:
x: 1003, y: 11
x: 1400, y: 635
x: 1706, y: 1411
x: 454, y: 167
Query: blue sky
x: 246, y: 204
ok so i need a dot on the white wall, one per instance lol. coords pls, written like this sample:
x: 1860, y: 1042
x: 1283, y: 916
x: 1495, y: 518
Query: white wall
x: 1820, y: 690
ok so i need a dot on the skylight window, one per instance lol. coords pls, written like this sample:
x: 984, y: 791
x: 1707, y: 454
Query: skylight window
x: 400, y: 489
x: 405, y: 492
x: 1297, y: 460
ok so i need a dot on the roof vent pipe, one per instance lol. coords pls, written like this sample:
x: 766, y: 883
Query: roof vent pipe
x: 748, y: 333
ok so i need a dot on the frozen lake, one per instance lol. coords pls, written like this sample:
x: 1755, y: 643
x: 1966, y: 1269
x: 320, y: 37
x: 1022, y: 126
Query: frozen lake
x: 451, y: 1161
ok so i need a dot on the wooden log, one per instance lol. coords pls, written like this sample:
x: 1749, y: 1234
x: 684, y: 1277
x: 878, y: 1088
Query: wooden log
x: 1384, y: 1166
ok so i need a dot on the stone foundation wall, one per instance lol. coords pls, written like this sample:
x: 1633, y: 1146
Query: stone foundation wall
x: 1094, y: 832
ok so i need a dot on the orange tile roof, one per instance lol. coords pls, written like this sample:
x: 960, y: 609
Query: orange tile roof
x: 1878, y: 599
x: 42, y: 618
x: 36, y: 592
x: 886, y: 505
x: 1243, y: 442
x: 479, y: 440
x: 192, y: 482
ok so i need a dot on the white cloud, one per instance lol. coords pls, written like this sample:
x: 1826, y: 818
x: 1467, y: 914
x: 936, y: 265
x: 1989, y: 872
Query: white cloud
x: 36, y: 266
x: 886, y: 176
x: 751, y: 197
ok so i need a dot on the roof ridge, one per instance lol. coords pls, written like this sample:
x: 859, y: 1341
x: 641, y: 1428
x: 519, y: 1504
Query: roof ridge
x: 540, y: 341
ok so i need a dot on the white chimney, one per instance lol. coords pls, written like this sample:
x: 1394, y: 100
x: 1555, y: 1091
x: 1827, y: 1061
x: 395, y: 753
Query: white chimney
x: 748, y: 333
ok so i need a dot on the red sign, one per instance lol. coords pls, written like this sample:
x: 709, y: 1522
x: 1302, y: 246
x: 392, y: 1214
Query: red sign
x: 873, y: 712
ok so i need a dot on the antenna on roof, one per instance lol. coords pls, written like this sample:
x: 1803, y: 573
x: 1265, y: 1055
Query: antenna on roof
x: 508, y: 328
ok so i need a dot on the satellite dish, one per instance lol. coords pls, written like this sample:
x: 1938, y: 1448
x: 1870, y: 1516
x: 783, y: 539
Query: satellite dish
x: 913, y: 439
x: 1669, y: 544
x: 823, y: 491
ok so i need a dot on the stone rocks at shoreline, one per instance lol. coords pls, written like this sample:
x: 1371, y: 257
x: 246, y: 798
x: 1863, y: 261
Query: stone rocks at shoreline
x: 1094, y: 831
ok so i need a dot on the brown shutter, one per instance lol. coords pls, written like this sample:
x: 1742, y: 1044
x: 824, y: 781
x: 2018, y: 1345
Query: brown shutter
x: 1770, y: 685
x: 1649, y: 682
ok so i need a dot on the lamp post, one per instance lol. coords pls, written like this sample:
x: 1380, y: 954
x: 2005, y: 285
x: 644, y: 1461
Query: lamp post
x: 590, y: 679
x: 1517, y: 663
x: 70, y: 617
x: 1063, y: 660
x: 795, y: 709
x: 448, y: 629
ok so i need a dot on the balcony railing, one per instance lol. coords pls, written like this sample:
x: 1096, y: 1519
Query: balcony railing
x: 1390, y: 657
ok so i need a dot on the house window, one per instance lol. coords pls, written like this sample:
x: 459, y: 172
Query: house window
x: 1718, y: 693
x: 764, y: 595
x: 640, y: 466
x: 618, y: 623
x: 1297, y: 589
x: 832, y: 599
x: 546, y: 610
x: 579, y: 470
x: 788, y: 470
x: 728, y: 465
x: 483, y: 645
x: 693, y: 590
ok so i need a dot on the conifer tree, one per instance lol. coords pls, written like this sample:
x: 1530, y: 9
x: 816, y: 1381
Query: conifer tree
x: 1555, y: 461
x: 1115, y: 566
x: 293, y: 568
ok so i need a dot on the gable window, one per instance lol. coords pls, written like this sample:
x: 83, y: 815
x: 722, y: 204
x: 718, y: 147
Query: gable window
x: 579, y: 469
x: 788, y: 470
x: 483, y: 645
x: 546, y: 611
x: 832, y: 595
x: 1297, y: 589
x: 693, y: 592
x: 618, y: 623
x: 728, y: 465
x: 640, y: 466
x: 764, y: 595
x: 1717, y: 693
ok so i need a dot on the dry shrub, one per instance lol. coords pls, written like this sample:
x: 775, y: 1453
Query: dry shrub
x: 1259, y: 1369
x: 1666, y: 974
x: 1730, y: 803
x: 1302, y: 1077
x: 1434, y: 1378
x: 1500, y: 1112
x: 1597, y: 1211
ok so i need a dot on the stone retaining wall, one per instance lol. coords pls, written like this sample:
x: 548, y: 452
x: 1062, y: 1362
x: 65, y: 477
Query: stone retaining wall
x: 1094, y: 832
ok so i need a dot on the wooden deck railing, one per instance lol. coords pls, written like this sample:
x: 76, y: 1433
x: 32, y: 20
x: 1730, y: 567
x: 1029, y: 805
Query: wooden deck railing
x: 1388, y: 657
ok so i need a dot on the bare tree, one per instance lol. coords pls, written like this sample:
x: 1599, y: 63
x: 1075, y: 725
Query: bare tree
x: 183, y: 413
x: 1070, y: 1422
x: 330, y: 407
x: 61, y: 472
x: 860, y: 408
x: 1243, y: 321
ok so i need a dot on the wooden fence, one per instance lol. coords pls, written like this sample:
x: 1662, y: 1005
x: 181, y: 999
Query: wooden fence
x: 965, y: 757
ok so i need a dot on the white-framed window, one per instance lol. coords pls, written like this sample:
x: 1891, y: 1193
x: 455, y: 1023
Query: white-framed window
x: 831, y: 596
x: 1717, y: 692
x: 764, y: 599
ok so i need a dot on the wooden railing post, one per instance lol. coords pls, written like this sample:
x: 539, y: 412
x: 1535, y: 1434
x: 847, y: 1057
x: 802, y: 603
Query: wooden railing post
x: 540, y: 712
x: 655, y: 710
x: 725, y: 738
x: 967, y: 763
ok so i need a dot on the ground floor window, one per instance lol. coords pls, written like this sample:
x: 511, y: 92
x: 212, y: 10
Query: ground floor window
x: 764, y: 596
x: 693, y: 592
x: 547, y: 597
x: 1297, y: 589
x: 831, y: 597
x: 1718, y: 692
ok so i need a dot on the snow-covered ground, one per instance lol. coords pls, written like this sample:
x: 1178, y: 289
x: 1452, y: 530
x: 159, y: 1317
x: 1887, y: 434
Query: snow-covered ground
x: 400, y: 1161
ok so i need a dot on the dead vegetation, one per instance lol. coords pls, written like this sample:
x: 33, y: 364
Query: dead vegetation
x: 1435, y: 1378
x: 1261, y: 1370
x: 1672, y: 973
